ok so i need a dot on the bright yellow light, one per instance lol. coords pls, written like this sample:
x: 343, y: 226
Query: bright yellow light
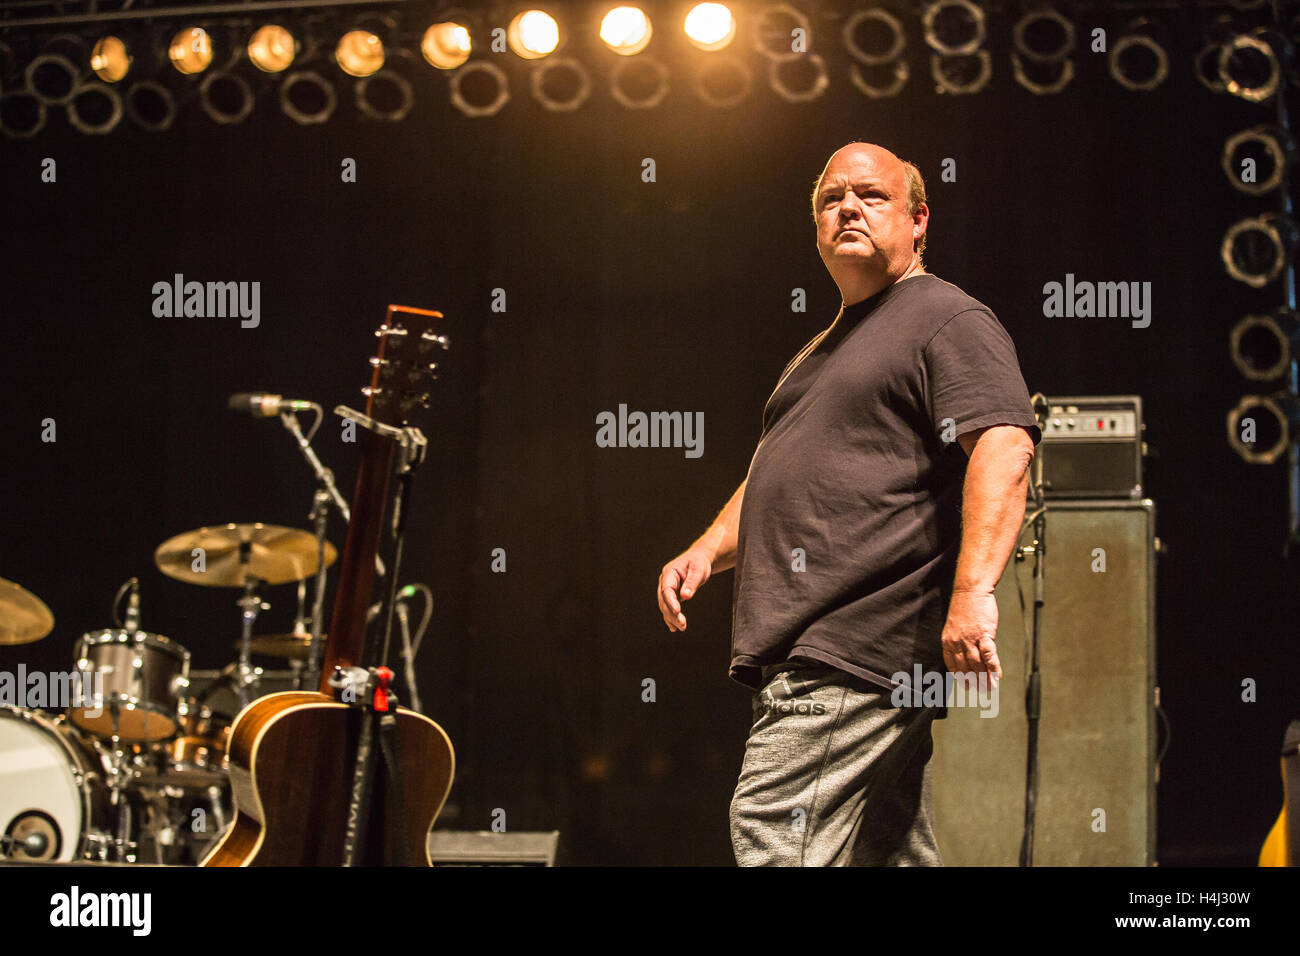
x: 626, y: 30
x: 446, y: 45
x: 360, y: 53
x: 191, y: 50
x: 710, y: 26
x: 533, y: 34
x: 109, y: 59
x: 271, y: 48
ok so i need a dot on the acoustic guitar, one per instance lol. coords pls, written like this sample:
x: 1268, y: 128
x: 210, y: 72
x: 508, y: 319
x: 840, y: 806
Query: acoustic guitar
x: 310, y: 780
x: 1282, y: 845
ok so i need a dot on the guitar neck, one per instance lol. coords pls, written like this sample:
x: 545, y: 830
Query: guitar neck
x: 347, y: 633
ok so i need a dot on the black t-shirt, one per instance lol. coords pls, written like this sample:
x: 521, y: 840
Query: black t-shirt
x: 851, y: 518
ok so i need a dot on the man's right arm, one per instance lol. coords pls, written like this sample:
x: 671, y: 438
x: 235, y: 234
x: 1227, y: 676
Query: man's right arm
x: 715, y: 550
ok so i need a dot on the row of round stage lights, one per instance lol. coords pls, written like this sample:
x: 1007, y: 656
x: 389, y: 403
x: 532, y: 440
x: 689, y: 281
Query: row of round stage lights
x: 58, y: 75
x: 1259, y: 250
x: 875, y: 39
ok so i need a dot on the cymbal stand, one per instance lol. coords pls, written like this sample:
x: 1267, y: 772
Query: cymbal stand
x: 122, y: 846
x: 252, y: 604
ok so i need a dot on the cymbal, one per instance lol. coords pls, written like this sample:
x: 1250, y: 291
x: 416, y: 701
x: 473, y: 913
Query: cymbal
x: 290, y: 646
x: 23, y: 616
x: 234, y: 552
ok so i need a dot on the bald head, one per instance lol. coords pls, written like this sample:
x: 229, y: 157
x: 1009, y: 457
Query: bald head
x: 871, y: 217
x: 913, y: 184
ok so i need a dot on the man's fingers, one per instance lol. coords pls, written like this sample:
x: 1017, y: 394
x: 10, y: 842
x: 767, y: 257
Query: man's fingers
x: 694, y: 578
x: 989, y: 653
x: 668, y: 590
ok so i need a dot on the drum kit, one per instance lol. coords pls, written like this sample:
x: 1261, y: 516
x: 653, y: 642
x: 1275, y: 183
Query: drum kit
x: 136, y: 771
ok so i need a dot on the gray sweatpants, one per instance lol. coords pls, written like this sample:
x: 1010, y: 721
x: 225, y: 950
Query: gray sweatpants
x: 831, y: 777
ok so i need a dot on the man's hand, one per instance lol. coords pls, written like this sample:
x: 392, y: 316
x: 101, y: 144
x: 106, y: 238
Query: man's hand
x: 969, y: 634
x: 679, y: 580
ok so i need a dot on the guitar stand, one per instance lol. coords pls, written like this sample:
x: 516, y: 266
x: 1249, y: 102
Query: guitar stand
x: 379, y: 704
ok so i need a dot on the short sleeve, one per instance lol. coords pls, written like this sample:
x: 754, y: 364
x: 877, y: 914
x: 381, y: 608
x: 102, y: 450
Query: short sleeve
x: 973, y: 376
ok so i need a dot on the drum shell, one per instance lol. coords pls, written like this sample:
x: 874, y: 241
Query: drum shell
x: 147, y: 672
x: 48, y: 769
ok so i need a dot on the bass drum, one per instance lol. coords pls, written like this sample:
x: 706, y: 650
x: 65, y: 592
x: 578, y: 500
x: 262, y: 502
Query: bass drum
x: 53, y: 799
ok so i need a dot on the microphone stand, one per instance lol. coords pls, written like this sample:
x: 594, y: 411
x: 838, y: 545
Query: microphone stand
x: 326, y: 491
x: 1033, y: 685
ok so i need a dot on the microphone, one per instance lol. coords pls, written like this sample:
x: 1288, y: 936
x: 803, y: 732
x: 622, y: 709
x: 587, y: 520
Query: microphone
x: 133, y: 607
x: 266, y: 405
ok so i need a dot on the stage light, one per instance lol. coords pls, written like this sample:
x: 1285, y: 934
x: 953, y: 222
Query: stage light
x: 272, y: 48
x: 307, y: 98
x: 110, y: 59
x: 1206, y: 62
x: 561, y: 85
x: 58, y: 69
x: 1271, y: 421
x: 968, y: 73
x: 94, y: 108
x: 446, y: 45
x: 190, y: 50
x: 1264, y: 346
x: 533, y: 34
x: 1137, y: 61
x: 150, y: 105
x: 1255, y: 250
x: 1042, y: 79
x: 953, y: 27
x: 1267, y: 152
x: 879, y: 81
x: 639, y: 84
x: 626, y: 30
x: 22, y: 115
x: 710, y: 26
x: 226, y: 97
x: 874, y: 36
x: 385, y: 96
x: 479, y: 88
x: 799, y: 79
x: 723, y: 82
x: 359, y: 53
x: 1043, y: 36
x: 773, y: 30
x: 1251, y: 64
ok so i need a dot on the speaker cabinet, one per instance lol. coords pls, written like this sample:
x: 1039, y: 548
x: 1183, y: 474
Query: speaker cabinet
x: 1096, y: 735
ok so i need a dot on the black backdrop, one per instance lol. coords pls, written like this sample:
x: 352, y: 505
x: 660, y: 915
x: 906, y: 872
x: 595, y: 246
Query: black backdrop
x: 670, y: 295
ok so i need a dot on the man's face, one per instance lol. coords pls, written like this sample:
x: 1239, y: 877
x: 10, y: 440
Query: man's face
x: 862, y: 218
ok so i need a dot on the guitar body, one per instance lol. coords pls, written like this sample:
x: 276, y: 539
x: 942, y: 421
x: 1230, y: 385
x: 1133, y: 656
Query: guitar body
x: 300, y: 818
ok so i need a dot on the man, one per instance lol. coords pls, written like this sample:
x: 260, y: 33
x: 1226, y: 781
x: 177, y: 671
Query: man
x: 880, y: 508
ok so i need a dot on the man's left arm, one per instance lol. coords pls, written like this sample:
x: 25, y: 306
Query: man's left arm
x: 993, y: 505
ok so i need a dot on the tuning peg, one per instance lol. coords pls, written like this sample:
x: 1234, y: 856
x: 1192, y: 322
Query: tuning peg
x: 429, y: 339
x: 390, y: 330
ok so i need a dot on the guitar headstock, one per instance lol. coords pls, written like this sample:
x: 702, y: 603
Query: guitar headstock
x: 406, y: 364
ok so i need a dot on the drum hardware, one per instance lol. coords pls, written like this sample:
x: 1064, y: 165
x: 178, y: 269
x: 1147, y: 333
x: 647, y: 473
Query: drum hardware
x: 24, y: 618
x: 251, y: 604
